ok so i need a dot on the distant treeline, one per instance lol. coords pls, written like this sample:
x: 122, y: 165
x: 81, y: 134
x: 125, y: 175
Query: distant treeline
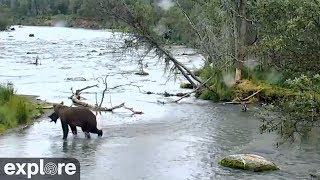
x: 39, y: 12
x: 22, y: 8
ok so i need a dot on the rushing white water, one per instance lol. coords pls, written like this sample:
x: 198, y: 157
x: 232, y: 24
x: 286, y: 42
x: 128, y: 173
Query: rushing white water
x: 172, y: 141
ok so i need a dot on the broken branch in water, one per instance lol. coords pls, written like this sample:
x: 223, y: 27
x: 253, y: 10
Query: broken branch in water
x: 76, y: 100
x: 88, y: 87
x: 104, y: 91
x: 166, y: 94
x: 133, y: 111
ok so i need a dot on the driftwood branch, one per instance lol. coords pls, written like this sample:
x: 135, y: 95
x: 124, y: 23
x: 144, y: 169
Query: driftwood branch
x: 244, y: 101
x: 76, y: 100
x: 125, y: 85
x: 104, y: 91
x: 88, y: 87
x: 237, y: 102
x: 166, y: 94
x: 133, y: 111
x: 249, y: 97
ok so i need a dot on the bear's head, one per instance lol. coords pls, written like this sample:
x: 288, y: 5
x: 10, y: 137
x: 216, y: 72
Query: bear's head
x: 54, y: 117
x: 56, y: 109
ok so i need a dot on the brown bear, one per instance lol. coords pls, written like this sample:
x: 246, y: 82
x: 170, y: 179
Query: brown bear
x: 75, y: 116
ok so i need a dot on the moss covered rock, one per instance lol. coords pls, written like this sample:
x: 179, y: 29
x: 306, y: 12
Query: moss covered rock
x: 248, y: 162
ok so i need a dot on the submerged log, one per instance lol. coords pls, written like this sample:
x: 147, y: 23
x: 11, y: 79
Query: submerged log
x: 166, y: 94
x: 142, y: 73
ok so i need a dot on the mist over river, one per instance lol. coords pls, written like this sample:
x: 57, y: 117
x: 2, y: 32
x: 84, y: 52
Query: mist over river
x: 181, y: 141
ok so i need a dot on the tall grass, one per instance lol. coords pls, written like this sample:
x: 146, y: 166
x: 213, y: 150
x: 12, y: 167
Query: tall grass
x: 19, y: 109
x: 14, y: 110
x: 6, y: 92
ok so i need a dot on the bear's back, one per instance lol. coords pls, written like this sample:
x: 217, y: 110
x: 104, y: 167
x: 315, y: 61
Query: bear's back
x: 77, y: 114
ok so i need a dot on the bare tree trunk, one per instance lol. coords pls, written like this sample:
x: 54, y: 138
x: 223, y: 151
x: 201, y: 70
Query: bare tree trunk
x: 236, y: 42
x: 240, y: 37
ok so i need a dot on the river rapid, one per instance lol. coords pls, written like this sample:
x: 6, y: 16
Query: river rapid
x: 169, y: 141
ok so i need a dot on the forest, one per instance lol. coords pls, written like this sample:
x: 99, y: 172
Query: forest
x: 254, y: 50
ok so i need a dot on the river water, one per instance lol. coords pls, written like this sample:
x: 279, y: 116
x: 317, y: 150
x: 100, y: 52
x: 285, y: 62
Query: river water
x: 169, y: 141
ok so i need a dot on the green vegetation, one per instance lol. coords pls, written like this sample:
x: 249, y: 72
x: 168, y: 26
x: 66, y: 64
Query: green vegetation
x: 73, y: 13
x: 15, y: 110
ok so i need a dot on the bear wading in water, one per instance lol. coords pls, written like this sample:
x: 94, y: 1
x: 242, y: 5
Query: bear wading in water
x: 75, y: 116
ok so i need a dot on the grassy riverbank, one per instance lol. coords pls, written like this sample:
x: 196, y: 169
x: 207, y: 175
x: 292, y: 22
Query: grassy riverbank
x: 17, y: 110
x: 250, y: 89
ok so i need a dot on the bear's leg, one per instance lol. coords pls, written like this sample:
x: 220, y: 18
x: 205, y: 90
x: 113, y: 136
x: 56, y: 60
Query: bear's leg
x: 86, y: 132
x: 96, y: 131
x: 73, y: 129
x: 65, y: 129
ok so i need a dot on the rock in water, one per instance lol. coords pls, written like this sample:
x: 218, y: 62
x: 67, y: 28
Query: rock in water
x: 77, y: 79
x: 248, y: 162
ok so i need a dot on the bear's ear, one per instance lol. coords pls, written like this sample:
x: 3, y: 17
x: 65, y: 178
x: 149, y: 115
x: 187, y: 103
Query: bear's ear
x: 61, y: 103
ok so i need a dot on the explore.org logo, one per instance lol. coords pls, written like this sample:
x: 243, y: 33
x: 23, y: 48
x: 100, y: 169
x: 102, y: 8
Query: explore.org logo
x: 39, y: 168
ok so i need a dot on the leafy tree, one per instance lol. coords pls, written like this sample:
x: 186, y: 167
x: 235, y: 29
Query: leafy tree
x: 289, y: 33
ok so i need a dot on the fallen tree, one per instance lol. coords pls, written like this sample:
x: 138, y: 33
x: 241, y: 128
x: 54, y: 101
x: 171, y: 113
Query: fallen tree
x: 141, y: 35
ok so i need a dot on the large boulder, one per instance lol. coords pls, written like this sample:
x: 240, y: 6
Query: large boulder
x: 248, y: 162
